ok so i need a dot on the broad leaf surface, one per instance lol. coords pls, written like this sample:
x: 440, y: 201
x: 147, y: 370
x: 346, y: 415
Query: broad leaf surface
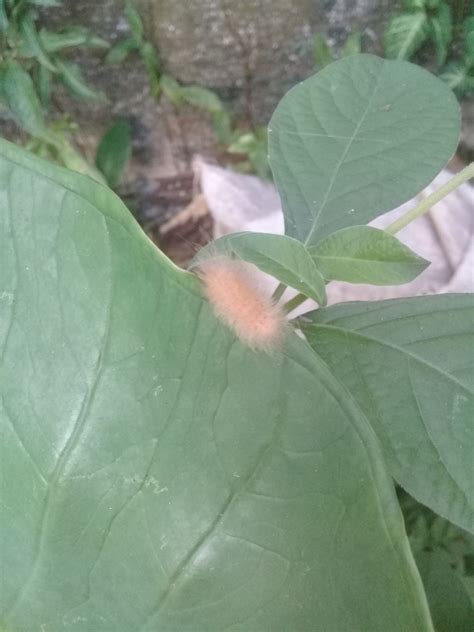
x: 410, y: 365
x: 359, y: 138
x: 284, y: 258
x: 362, y: 254
x: 158, y: 475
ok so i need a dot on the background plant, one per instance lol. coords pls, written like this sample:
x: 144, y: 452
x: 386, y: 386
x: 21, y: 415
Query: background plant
x: 33, y: 60
x: 158, y: 469
x: 251, y: 142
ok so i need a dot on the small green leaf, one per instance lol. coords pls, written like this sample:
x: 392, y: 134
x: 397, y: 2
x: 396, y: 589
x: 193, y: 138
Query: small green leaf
x: 441, y: 32
x: 33, y: 42
x: 152, y: 63
x: 459, y: 77
x: 119, y: 52
x: 352, y: 45
x: 75, y: 36
x: 409, y: 363
x: 405, y: 34
x: 413, y: 5
x: 113, y: 152
x: 362, y: 254
x: 222, y: 124
x: 450, y: 605
x: 243, y: 144
x: 321, y: 52
x: 349, y: 143
x: 201, y: 98
x: 71, y: 76
x: 46, y: 3
x: 4, y: 23
x: 135, y: 22
x: 42, y: 81
x: 171, y: 89
x: 21, y: 98
x: 468, y: 27
x: 282, y: 257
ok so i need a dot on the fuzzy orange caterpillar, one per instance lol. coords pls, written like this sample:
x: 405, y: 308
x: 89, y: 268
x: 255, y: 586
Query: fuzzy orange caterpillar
x: 239, y: 303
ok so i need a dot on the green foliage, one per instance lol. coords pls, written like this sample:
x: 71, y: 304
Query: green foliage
x: 162, y: 475
x: 342, y: 143
x: 113, y: 152
x: 31, y: 62
x: 430, y: 22
x: 361, y: 254
x: 408, y: 363
x: 323, y: 55
x: 252, y: 144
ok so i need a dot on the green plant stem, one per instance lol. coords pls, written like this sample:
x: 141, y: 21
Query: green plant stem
x: 295, y: 302
x: 278, y: 293
x: 425, y: 205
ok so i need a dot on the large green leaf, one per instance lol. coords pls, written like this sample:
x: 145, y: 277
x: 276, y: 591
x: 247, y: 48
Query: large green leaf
x: 363, y: 254
x: 157, y: 474
x: 358, y: 139
x: 284, y: 258
x: 410, y: 365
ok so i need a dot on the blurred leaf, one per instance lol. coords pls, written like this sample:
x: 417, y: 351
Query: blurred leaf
x: 410, y: 366
x: 441, y: 28
x: 412, y: 5
x: 450, y: 605
x: 31, y: 38
x: 362, y: 254
x: 405, y: 34
x: 282, y: 257
x: 259, y: 160
x: 201, y: 98
x: 468, y: 27
x: 152, y: 63
x: 322, y: 54
x: 352, y: 45
x: 135, y: 22
x: 119, y: 52
x: 459, y: 77
x: 243, y: 144
x: 347, y: 144
x: 71, y: 76
x: 42, y: 81
x: 113, y: 152
x: 222, y: 125
x: 19, y: 93
x: 71, y: 37
x: 72, y: 159
x: 46, y: 3
x: 3, y: 17
x: 171, y: 89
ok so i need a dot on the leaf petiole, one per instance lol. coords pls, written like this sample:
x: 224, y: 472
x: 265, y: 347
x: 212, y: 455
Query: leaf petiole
x: 425, y: 205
